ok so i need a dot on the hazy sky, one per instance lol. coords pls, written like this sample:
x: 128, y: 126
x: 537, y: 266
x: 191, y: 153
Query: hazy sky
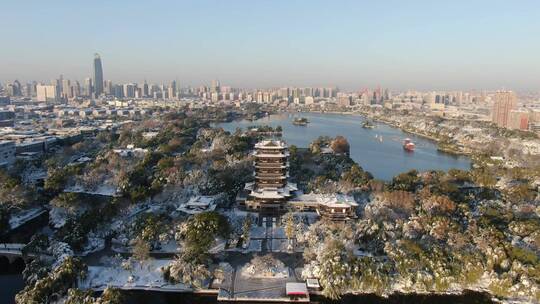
x: 399, y: 44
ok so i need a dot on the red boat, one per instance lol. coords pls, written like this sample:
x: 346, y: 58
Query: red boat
x: 408, y: 145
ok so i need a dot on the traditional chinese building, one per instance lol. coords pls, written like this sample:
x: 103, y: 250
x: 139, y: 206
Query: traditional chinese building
x: 272, y: 193
x: 337, y: 207
x: 271, y: 190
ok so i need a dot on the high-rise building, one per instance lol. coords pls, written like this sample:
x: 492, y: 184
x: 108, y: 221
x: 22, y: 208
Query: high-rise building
x: 518, y: 119
x: 67, y: 90
x: 76, y: 89
x: 17, y: 87
x: 129, y: 90
x: 284, y: 92
x: 108, y: 87
x: 118, y: 91
x: 144, y: 89
x: 172, y: 90
x: 98, y: 75
x: 47, y: 93
x: 29, y: 90
x: 214, y: 86
x: 14, y: 89
x: 505, y: 101
x: 88, y: 87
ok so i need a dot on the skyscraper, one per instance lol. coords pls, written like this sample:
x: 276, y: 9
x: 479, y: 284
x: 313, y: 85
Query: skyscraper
x: 67, y: 90
x: 214, y: 87
x: 98, y: 76
x: 145, y: 91
x: 47, y: 93
x: 88, y: 87
x: 77, y: 89
x: 129, y: 90
x: 505, y: 101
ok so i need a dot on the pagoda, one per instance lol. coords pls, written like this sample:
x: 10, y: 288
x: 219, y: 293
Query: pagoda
x: 271, y: 190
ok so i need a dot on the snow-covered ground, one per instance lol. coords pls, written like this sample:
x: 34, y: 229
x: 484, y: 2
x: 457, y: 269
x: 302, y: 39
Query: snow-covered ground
x: 58, y: 217
x: 17, y: 220
x: 219, y: 246
x: 103, y: 189
x: 278, y: 233
x: 276, y: 271
x: 145, y: 275
x: 257, y: 232
x: 93, y: 244
x: 254, y: 246
x: 279, y: 245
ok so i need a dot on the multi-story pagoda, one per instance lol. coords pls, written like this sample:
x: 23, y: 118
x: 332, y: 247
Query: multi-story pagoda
x: 271, y: 193
x: 271, y: 190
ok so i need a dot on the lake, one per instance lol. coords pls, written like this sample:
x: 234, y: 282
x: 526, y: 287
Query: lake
x: 11, y: 284
x: 383, y: 158
x: 468, y: 297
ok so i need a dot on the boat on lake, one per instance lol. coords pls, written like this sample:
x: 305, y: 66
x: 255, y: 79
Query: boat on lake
x: 408, y: 145
x: 368, y: 125
x: 300, y: 121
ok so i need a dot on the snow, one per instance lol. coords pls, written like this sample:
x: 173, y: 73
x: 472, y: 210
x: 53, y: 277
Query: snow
x: 276, y: 271
x: 58, y: 217
x: 11, y: 247
x: 278, y: 233
x: 145, y: 275
x: 254, y: 246
x: 32, y: 176
x: 198, y: 204
x: 257, y: 232
x: 103, y: 189
x: 93, y: 244
x: 171, y: 247
x: 21, y: 218
x: 279, y: 245
x: 60, y: 252
x: 219, y: 246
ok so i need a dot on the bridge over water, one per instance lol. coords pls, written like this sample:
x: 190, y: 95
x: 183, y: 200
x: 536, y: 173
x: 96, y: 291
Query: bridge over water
x: 12, y: 257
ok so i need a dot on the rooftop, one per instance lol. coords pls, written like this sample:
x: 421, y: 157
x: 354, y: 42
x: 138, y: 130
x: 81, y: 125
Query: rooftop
x: 271, y: 144
x: 296, y: 289
x: 329, y: 200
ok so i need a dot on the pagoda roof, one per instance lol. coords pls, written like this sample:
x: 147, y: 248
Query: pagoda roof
x: 271, y: 144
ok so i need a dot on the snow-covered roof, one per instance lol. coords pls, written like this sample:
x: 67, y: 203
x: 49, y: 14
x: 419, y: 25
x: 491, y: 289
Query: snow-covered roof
x: 271, y: 144
x: 200, y: 201
x: 313, y: 283
x: 279, y: 155
x: 296, y: 289
x: 198, y: 204
x: 329, y: 200
x: 272, y: 193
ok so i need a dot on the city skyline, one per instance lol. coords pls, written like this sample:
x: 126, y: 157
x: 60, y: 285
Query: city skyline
x: 417, y: 45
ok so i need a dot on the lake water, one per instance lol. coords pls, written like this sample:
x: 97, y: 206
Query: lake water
x: 383, y: 159
x: 468, y: 297
x: 10, y: 284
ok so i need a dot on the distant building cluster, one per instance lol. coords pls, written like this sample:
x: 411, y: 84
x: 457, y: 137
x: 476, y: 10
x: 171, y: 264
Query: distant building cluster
x: 97, y: 98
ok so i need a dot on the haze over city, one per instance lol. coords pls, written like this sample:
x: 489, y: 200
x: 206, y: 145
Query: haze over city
x: 349, y: 44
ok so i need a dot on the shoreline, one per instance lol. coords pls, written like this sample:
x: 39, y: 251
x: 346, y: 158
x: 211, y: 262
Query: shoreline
x: 213, y: 293
x: 395, y: 125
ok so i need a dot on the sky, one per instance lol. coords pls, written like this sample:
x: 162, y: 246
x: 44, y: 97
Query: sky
x: 399, y: 44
